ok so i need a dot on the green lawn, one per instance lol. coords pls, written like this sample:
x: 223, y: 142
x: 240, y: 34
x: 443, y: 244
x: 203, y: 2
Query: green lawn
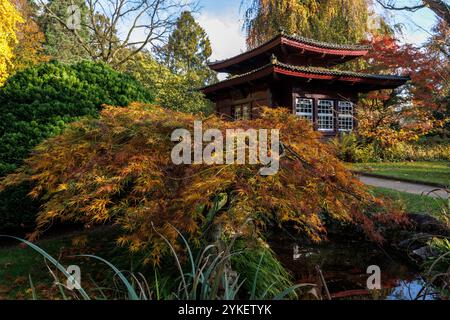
x: 413, y: 203
x: 431, y: 172
x: 18, y: 262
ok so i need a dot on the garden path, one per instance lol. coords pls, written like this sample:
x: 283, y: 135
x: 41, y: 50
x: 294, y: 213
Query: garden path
x: 409, y: 187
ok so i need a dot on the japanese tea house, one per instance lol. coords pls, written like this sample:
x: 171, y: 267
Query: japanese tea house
x: 295, y: 72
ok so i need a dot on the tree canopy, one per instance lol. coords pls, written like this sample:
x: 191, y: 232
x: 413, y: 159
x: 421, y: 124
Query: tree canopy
x: 30, y: 38
x: 337, y: 21
x: 406, y: 113
x: 39, y: 101
x: 9, y: 20
x: 188, y: 50
x: 172, y: 91
x: 61, y: 43
x: 142, y: 24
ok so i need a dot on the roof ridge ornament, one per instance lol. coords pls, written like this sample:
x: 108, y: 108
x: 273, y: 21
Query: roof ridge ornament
x: 273, y: 59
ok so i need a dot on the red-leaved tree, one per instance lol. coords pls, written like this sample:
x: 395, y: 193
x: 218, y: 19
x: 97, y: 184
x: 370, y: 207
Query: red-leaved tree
x: 403, y: 114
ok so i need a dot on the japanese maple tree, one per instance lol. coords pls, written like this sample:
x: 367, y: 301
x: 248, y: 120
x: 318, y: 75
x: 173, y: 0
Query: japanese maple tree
x: 390, y: 116
x: 118, y: 169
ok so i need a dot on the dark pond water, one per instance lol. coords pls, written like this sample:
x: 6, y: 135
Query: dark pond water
x: 344, y: 268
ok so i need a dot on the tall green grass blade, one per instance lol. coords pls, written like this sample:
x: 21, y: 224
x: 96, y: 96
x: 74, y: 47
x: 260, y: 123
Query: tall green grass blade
x: 255, y: 279
x: 57, y: 282
x: 158, y: 295
x: 267, y: 291
x: 52, y: 260
x: 131, y: 292
x: 191, y: 256
x: 172, y: 249
x: 33, y: 289
x: 292, y: 289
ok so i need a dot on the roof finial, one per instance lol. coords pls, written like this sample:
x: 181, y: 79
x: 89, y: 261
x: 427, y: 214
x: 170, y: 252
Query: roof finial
x: 273, y: 59
x: 281, y: 31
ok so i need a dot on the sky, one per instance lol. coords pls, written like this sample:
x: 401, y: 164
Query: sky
x: 222, y: 21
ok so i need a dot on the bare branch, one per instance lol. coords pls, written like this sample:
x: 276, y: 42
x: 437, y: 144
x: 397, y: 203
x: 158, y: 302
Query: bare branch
x: 144, y: 24
x: 65, y: 25
x: 439, y: 7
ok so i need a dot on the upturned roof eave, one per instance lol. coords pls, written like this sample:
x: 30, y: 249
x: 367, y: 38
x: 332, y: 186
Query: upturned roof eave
x: 297, y: 42
x: 308, y: 73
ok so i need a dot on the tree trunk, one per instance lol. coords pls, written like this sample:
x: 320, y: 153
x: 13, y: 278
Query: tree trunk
x: 440, y: 8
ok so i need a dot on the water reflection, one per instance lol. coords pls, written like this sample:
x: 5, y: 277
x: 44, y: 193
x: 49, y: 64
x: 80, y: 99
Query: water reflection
x: 411, y: 290
x: 344, y: 269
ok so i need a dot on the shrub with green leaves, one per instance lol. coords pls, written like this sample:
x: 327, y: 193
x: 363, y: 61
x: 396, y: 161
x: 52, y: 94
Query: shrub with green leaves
x: 173, y: 91
x: 17, y: 211
x: 351, y: 148
x: 265, y: 277
x: 38, y: 102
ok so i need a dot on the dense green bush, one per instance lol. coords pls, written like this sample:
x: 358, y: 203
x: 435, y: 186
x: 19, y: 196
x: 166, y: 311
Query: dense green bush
x: 172, y: 91
x: 261, y: 262
x: 417, y: 152
x: 17, y: 211
x: 350, y: 148
x: 346, y: 147
x: 38, y: 102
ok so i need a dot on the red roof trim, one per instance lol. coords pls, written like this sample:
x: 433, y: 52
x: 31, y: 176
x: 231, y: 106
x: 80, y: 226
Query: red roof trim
x: 338, y: 52
x: 265, y: 71
x: 299, y: 74
x: 246, y: 55
x: 281, y: 39
x: 270, y: 69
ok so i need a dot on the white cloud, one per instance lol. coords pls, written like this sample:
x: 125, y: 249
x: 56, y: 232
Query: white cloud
x: 417, y: 38
x: 225, y: 33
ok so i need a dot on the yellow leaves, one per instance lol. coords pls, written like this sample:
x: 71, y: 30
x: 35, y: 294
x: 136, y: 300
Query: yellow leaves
x: 122, y: 241
x: 30, y: 47
x: 136, y: 186
x: 80, y: 241
x: 34, y: 194
x: 9, y: 18
x: 321, y: 20
x: 98, y: 210
x: 100, y: 179
x: 62, y: 187
x: 136, y: 246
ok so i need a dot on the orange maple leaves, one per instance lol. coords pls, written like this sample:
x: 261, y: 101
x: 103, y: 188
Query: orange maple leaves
x: 118, y: 169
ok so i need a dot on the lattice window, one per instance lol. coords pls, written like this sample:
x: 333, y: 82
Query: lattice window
x: 246, y: 112
x: 345, y: 115
x: 237, y: 112
x: 325, y: 115
x: 304, y: 108
x: 242, y: 112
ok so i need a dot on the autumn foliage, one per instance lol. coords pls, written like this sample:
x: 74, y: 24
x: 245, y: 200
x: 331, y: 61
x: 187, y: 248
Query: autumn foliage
x: 118, y: 169
x: 29, y: 50
x: 343, y: 21
x: 9, y: 20
x: 404, y: 114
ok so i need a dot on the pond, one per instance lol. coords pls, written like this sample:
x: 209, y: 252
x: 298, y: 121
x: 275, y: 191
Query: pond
x: 344, y: 269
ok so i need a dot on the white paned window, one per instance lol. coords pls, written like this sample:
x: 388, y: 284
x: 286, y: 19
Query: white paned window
x: 345, y: 115
x: 242, y: 112
x: 304, y: 108
x: 237, y: 112
x: 325, y: 115
x: 246, y: 112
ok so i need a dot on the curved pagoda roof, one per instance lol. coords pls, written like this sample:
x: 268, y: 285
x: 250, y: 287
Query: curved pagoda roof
x: 294, y: 50
x: 363, y: 82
